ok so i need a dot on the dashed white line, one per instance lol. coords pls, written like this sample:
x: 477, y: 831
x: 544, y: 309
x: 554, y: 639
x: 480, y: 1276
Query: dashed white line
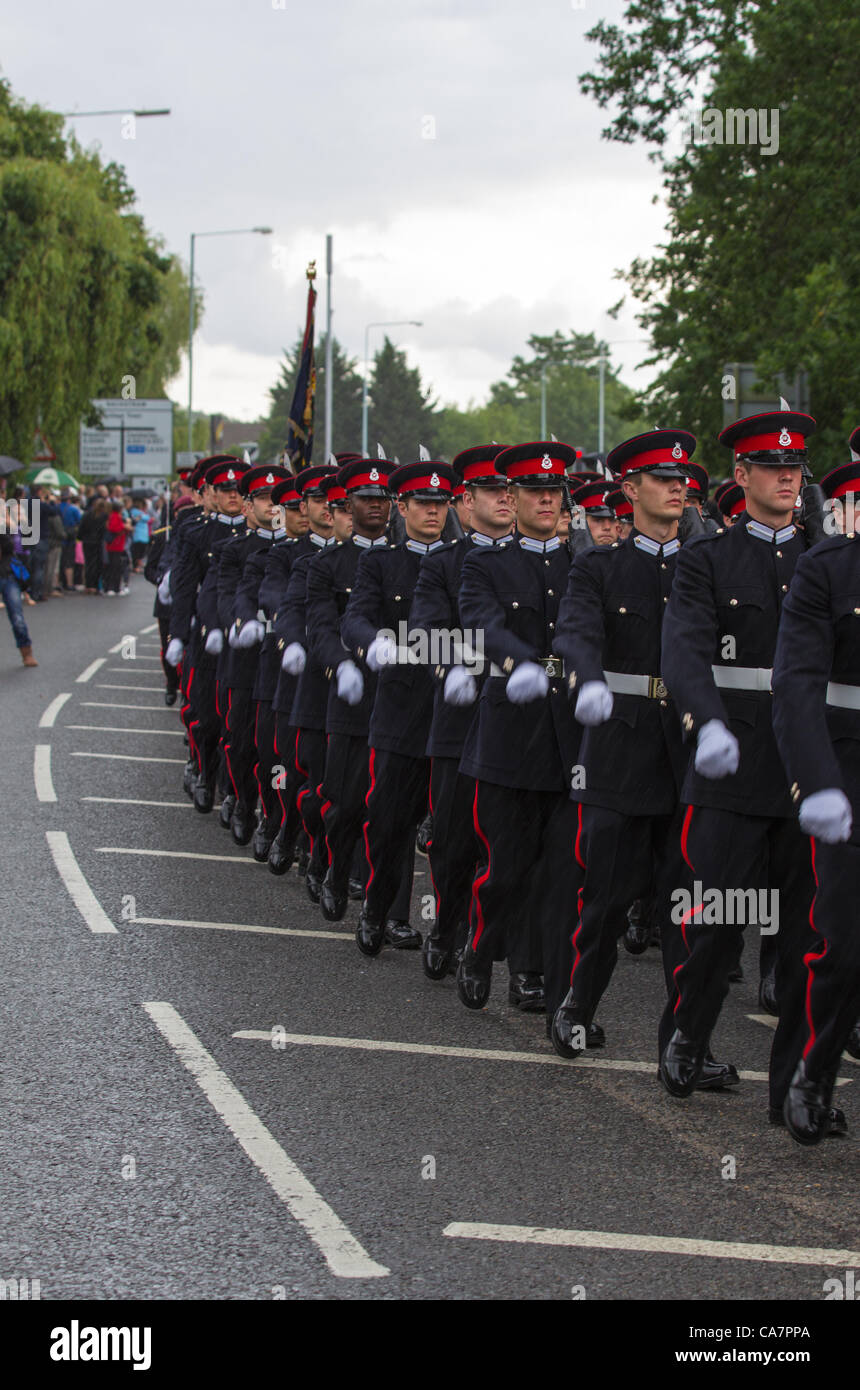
x: 129, y: 758
x: 79, y: 890
x: 770, y: 1022
x: 110, y: 729
x: 242, y: 926
x: 42, y: 772
x: 50, y: 714
x: 175, y: 853
x: 145, y: 631
x: 479, y: 1054
x: 111, y: 704
x: 151, y: 689
x: 133, y: 801
x: 343, y: 1254
x: 661, y: 1245
x: 91, y: 669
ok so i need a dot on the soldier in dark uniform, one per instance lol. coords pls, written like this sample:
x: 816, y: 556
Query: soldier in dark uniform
x: 598, y: 515
x: 522, y: 745
x: 622, y: 509
x: 453, y: 848
x: 194, y: 620
x: 164, y: 546
x: 375, y: 630
x: 740, y: 830
x: 732, y: 501
x: 632, y: 756
x: 238, y: 664
x: 350, y: 696
x: 308, y: 526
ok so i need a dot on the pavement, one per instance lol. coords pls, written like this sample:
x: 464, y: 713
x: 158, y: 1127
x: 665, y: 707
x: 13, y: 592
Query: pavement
x: 208, y: 1093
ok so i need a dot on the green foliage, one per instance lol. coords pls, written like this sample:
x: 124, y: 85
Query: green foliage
x: 346, y: 402
x: 762, y: 255
x: 402, y: 413
x: 87, y: 295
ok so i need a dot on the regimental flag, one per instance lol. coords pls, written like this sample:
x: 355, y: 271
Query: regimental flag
x: 300, y: 435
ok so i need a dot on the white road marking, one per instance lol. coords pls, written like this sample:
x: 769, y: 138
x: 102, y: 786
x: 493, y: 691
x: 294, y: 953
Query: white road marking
x: 79, y: 890
x: 109, y: 729
x: 152, y: 689
x: 129, y: 758
x: 176, y: 853
x: 145, y: 631
x: 42, y: 773
x: 479, y: 1054
x: 138, y: 656
x: 105, y: 704
x: 132, y: 801
x: 770, y: 1022
x: 128, y: 668
x: 50, y: 714
x: 659, y: 1245
x: 343, y: 1254
x: 242, y: 926
x: 91, y: 669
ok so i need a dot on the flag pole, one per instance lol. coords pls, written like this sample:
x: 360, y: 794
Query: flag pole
x: 329, y: 384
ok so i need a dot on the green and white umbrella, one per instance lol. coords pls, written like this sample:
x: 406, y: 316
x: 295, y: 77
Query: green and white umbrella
x: 51, y: 477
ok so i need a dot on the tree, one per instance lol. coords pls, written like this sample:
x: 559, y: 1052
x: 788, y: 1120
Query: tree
x: 402, y: 413
x: 346, y: 402
x: 87, y: 295
x: 762, y: 257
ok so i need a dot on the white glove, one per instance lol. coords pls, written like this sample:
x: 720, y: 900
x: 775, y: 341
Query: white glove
x: 528, y: 682
x: 460, y: 687
x: 233, y: 637
x: 294, y: 660
x: 382, y: 652
x: 827, y: 816
x: 175, y: 651
x: 164, y: 593
x: 350, y: 682
x: 251, y: 633
x: 717, y: 750
x: 215, y: 642
x: 593, y: 704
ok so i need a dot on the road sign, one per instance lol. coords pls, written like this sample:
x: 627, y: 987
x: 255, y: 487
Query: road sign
x: 135, y: 438
x: 186, y: 458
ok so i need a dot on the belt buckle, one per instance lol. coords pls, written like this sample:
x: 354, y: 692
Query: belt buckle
x: 656, y: 688
x: 552, y: 666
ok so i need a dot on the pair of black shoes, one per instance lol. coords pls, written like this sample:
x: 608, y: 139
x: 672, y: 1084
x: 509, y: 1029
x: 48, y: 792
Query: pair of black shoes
x: 170, y: 695
x: 525, y: 992
x: 807, y: 1112
x: 570, y: 1030
x: 370, y: 937
x: 688, y: 1066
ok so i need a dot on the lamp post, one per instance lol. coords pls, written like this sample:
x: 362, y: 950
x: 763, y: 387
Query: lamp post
x: 386, y: 323
x: 232, y: 231
x: 122, y: 111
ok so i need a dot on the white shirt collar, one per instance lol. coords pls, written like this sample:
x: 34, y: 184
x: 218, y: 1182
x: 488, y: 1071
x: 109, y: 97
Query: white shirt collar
x: 365, y: 543
x: 322, y: 541
x: 271, y: 535
x: 230, y: 520
x: 654, y: 547
x: 540, y: 547
x: 420, y: 548
x: 767, y: 533
x: 480, y: 539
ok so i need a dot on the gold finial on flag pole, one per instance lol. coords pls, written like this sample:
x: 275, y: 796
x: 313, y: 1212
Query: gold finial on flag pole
x: 311, y: 271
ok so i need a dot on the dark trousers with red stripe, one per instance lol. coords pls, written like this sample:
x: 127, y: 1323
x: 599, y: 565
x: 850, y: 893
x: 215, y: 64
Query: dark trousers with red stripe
x: 171, y: 675
x: 239, y: 744
x: 529, y: 882
x: 454, y: 849
x: 266, y: 765
x: 734, y: 853
x: 310, y: 762
x: 344, y: 793
x: 625, y: 858
x: 832, y: 999
x: 288, y: 779
x: 396, y: 804
x: 203, y: 720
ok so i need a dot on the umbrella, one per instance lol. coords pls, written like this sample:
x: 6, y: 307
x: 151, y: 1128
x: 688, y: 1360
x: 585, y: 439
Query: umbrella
x: 51, y: 477
x: 142, y: 494
x: 8, y: 465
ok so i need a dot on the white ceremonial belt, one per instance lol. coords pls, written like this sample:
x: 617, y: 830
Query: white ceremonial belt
x: 623, y: 683
x: 743, y: 677
x: 270, y: 626
x: 844, y: 696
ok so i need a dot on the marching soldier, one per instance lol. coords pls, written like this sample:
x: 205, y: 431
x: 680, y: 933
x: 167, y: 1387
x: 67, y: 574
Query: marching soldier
x: 732, y: 501
x: 622, y: 510
x: 373, y: 628
x: 599, y: 516
x: 453, y: 848
x: 521, y: 746
x: 740, y: 829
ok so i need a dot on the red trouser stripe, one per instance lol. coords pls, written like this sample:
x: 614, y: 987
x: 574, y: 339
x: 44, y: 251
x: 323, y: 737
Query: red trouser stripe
x: 482, y: 878
x: 372, y: 771
x: 685, y: 831
x: 811, y: 959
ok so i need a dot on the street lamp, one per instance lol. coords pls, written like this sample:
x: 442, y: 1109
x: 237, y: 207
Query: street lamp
x: 387, y: 323
x: 232, y: 231
x: 123, y: 111
x: 602, y: 360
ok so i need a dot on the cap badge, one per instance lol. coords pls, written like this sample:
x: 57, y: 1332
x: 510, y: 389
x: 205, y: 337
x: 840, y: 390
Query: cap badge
x: 677, y: 452
x: 784, y: 438
x: 546, y: 463
x: 374, y: 475
x: 270, y: 477
x: 434, y: 480
x: 231, y: 475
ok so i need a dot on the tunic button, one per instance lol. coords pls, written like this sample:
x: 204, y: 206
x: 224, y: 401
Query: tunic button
x: 546, y: 562
x: 857, y: 610
x: 733, y: 603
x: 785, y: 588
x: 663, y: 567
x: 663, y: 704
x: 622, y: 610
x: 552, y: 625
x: 550, y: 593
x: 779, y: 555
x: 665, y: 600
x: 515, y: 604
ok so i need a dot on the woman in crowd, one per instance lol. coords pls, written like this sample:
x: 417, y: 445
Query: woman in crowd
x: 117, y: 532
x: 91, y: 533
x: 140, y: 517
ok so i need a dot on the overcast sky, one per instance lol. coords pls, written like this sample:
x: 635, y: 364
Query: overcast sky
x: 314, y: 118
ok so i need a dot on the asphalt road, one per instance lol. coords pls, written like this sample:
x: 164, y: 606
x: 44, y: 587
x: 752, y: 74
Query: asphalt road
x: 160, y: 1141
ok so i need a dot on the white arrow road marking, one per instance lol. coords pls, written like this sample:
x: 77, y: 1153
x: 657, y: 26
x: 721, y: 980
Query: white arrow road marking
x: 50, y: 714
x: 91, y: 669
x: 42, y: 772
x: 80, y: 891
x: 242, y: 926
x: 342, y: 1252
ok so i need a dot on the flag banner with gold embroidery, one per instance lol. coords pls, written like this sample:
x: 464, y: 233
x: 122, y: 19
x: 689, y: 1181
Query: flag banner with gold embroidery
x: 300, y: 436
